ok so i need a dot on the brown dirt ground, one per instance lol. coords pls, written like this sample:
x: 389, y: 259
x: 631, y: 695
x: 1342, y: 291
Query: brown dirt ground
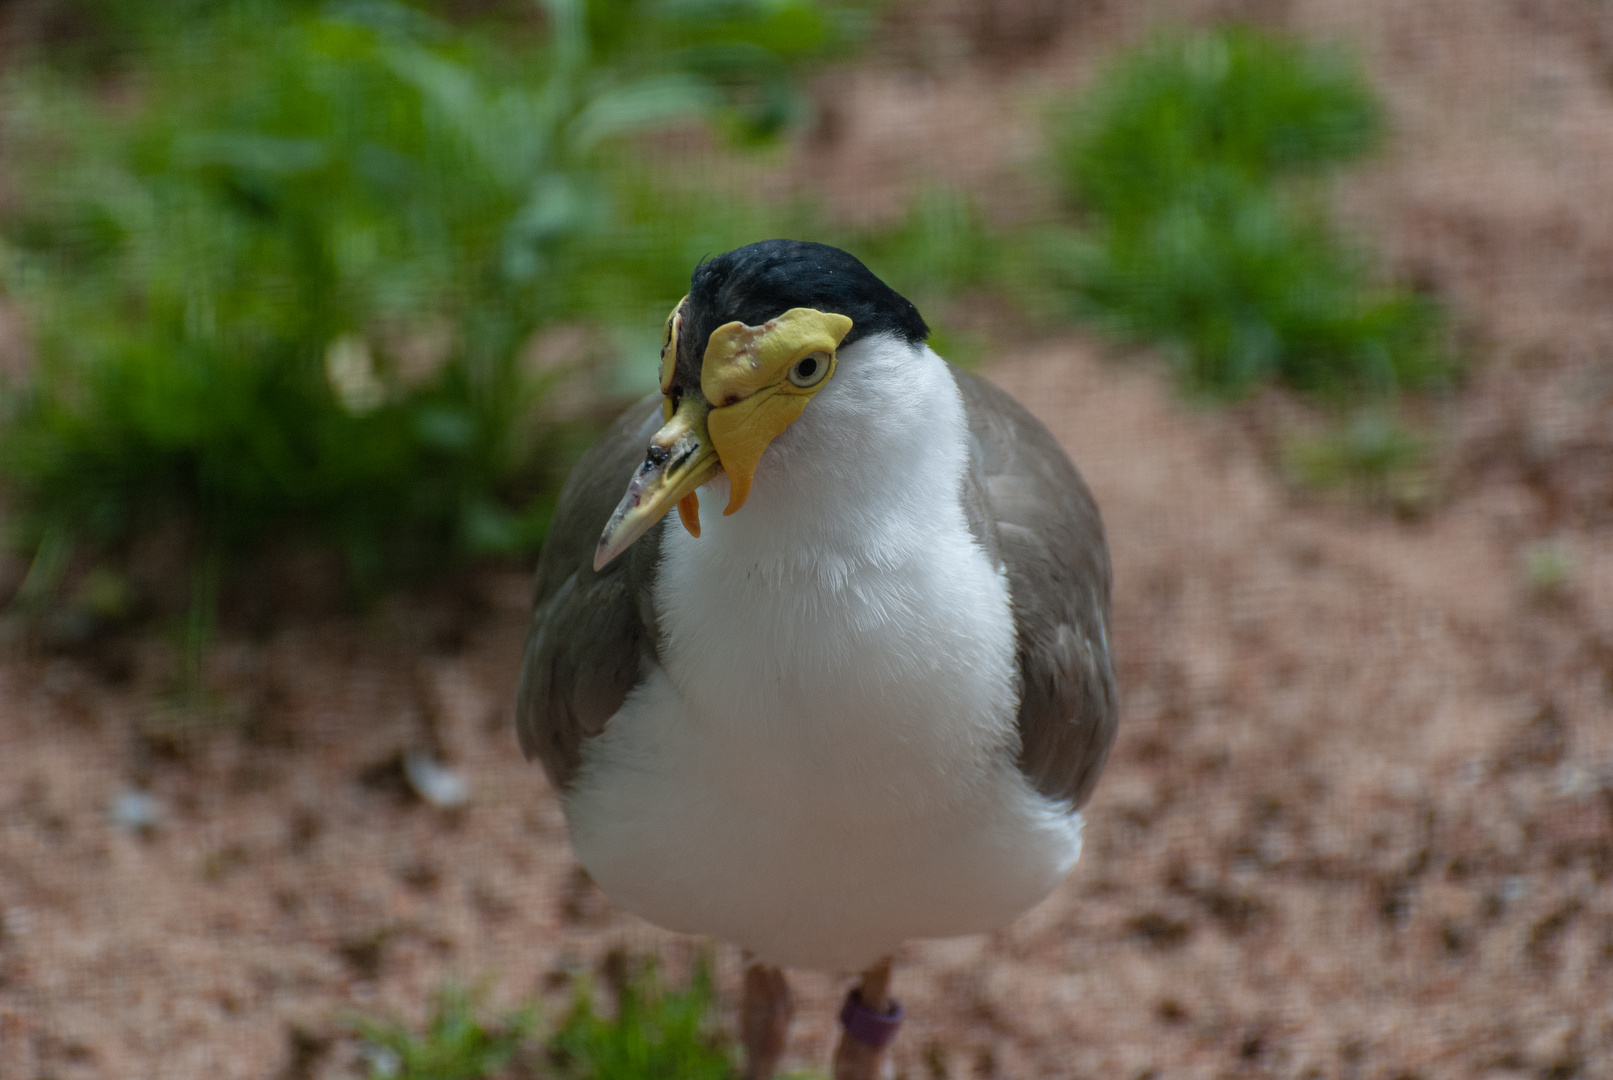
x: 1359, y: 820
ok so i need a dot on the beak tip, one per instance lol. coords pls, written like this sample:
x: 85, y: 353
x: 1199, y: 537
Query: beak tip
x: 681, y: 458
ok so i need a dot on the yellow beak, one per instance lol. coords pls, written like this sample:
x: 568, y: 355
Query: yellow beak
x: 680, y: 458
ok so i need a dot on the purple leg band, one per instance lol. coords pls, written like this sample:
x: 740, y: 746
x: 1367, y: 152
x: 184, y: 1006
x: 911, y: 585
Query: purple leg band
x: 867, y: 1026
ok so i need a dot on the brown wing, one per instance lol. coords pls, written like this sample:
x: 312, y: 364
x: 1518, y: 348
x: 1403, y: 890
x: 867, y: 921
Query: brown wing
x: 593, y: 633
x: 1033, y: 513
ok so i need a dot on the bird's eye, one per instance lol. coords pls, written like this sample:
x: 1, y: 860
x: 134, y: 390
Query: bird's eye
x: 810, y: 369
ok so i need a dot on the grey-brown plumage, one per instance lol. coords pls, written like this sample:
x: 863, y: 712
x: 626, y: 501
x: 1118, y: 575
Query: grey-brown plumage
x: 593, y: 634
x: 1033, y: 513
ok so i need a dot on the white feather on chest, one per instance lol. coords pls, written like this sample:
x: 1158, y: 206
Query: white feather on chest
x: 822, y: 766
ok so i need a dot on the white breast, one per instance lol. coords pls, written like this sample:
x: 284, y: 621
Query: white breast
x: 823, y: 766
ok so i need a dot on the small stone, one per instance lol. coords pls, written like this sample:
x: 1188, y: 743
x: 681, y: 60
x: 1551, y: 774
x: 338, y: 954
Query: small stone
x: 434, y: 782
x: 136, y: 811
x: 1515, y: 888
x: 17, y: 922
x: 383, y: 1062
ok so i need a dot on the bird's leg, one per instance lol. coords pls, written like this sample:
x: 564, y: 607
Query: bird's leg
x: 868, y: 1023
x: 764, y: 1020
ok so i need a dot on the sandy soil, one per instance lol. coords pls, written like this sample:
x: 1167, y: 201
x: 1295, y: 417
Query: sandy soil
x: 1359, y: 820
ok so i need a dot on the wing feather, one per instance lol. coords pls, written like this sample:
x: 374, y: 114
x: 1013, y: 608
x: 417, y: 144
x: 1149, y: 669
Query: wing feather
x: 592, y: 633
x: 1030, y: 509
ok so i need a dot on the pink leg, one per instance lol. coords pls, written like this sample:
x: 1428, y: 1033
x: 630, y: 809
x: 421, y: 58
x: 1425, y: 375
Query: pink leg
x: 764, y: 1020
x: 868, y: 1024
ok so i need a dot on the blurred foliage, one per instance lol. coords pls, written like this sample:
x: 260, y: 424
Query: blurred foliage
x: 288, y: 266
x: 943, y: 246
x: 941, y: 249
x: 744, y: 50
x: 1371, y: 455
x: 282, y: 269
x: 656, y: 1033
x: 459, y: 1042
x: 1197, y: 159
x: 1548, y: 569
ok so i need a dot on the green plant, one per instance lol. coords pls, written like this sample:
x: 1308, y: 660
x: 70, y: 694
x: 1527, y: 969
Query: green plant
x: 943, y: 245
x: 942, y: 248
x: 1548, y: 567
x: 657, y: 1033
x: 285, y: 287
x: 1371, y: 454
x: 1196, y: 159
x: 744, y: 51
x: 460, y: 1042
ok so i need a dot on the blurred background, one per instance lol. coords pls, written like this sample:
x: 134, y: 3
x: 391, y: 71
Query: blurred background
x: 306, y: 308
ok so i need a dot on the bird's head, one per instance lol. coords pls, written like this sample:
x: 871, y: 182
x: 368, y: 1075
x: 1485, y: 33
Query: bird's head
x: 742, y: 356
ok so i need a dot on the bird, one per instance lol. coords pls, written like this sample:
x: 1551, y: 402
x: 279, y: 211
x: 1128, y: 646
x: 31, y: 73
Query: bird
x: 863, y: 705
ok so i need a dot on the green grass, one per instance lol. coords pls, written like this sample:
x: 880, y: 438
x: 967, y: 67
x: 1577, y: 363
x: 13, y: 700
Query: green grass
x: 1548, y: 569
x: 280, y: 282
x: 282, y: 260
x: 460, y: 1042
x: 1370, y: 455
x: 942, y: 249
x: 1199, y: 164
x: 656, y: 1033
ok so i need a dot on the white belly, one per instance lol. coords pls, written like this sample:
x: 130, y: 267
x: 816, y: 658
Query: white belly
x: 823, y: 765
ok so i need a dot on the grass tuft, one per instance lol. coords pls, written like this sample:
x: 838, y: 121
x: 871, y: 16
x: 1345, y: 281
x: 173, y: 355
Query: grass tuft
x: 656, y: 1034
x: 460, y: 1042
x: 284, y: 287
x: 1548, y: 569
x: 1371, y: 455
x: 1197, y: 161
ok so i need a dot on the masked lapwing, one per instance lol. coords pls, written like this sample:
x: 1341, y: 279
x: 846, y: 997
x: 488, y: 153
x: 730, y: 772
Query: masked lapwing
x: 864, y: 702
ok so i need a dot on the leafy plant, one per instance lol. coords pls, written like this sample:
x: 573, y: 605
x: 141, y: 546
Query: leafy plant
x: 1197, y: 159
x: 744, y: 51
x: 286, y: 286
x: 941, y: 249
x: 460, y: 1042
x: 942, y: 246
x: 656, y: 1034
x: 1371, y: 454
x: 1548, y: 568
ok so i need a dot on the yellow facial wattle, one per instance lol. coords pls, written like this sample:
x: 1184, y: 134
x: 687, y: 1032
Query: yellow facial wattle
x: 669, y: 355
x: 759, y: 380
